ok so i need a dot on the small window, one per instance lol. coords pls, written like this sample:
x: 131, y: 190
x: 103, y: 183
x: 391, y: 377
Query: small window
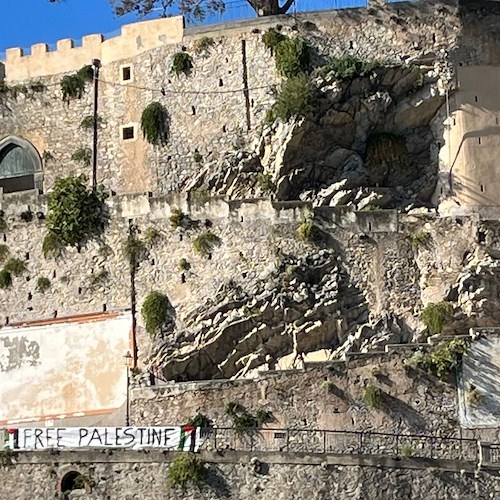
x: 127, y: 133
x: 126, y: 74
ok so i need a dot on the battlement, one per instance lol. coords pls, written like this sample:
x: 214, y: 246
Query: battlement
x: 134, y: 39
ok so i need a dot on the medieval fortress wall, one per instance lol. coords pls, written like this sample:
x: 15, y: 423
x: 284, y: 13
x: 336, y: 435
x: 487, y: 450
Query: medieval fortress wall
x: 209, y: 113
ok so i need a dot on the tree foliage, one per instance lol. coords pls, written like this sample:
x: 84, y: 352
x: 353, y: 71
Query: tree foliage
x: 191, y: 8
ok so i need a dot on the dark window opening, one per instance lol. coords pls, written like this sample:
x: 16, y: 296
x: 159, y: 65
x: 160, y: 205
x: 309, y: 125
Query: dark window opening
x: 126, y: 73
x: 193, y: 110
x: 475, y: 98
x: 127, y: 133
x: 73, y: 480
x: 221, y: 83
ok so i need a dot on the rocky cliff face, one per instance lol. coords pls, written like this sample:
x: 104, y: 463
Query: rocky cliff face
x: 368, y: 143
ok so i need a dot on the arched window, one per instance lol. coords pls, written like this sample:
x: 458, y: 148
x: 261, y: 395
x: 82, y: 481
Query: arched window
x: 20, y: 166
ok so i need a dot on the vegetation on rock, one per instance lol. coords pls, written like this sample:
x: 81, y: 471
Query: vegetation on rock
x: 134, y: 249
x: 243, y: 420
x: 83, y: 155
x: 4, y: 252
x: 203, y: 44
x: 156, y: 312
x: 272, y: 38
x: 76, y: 213
x: 15, y: 266
x: 348, y: 67
x: 5, y: 279
x: 186, y: 468
x: 204, y: 243
x: 182, y: 63
x: 420, y: 239
x: 373, y: 396
x: 435, y: 316
x: 296, y: 97
x: 42, y: 284
x: 292, y: 57
x: 73, y: 86
x: 443, y: 358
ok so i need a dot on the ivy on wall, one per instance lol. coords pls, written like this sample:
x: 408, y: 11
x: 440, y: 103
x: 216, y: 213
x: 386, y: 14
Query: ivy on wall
x: 73, y: 86
x: 154, y: 124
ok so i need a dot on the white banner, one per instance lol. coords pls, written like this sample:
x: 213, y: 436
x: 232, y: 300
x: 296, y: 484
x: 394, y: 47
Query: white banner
x: 180, y: 438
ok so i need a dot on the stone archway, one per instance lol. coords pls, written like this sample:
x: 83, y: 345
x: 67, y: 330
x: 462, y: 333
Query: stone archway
x: 20, y: 166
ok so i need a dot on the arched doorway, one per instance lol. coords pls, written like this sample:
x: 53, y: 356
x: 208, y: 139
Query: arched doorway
x: 20, y: 166
x: 72, y: 481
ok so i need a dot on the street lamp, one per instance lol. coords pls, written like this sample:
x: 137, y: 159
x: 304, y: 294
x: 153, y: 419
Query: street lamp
x: 128, y: 360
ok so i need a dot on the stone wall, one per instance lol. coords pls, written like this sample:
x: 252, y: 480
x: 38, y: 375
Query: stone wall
x: 317, y: 398
x: 208, y: 109
x: 135, y: 475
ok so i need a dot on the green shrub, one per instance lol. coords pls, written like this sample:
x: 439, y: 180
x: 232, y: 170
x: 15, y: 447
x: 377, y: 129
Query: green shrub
x: 348, y: 67
x: 98, y: 278
x: 292, y: 57
x: 154, y: 123
x: 200, y: 420
x: 272, y: 38
x: 156, y: 312
x: 4, y: 252
x: 3, y: 225
x: 134, y: 249
x: 42, y: 284
x: 186, y: 468
x: 15, y: 266
x: 407, y: 450
x: 307, y: 230
x: 204, y: 243
x: 373, y: 397
x: 182, y: 63
x: 73, y: 86
x: 152, y: 236
x: 443, y: 359
x: 435, y: 316
x: 177, y: 217
x: 82, y: 155
x: 88, y: 122
x: 420, y: 239
x: 52, y: 246
x: 243, y: 420
x: 184, y: 265
x: 203, y: 44
x: 5, y: 279
x: 76, y: 213
x: 264, y: 180
x: 297, y: 96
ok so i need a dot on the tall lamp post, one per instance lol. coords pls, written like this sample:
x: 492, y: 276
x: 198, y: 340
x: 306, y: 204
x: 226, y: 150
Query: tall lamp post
x: 128, y: 360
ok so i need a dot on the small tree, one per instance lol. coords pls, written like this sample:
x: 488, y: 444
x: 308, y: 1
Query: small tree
x: 156, y: 312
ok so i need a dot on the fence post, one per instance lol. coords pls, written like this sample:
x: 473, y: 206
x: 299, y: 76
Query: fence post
x: 287, y: 440
x: 324, y: 441
x: 215, y: 439
x: 360, y: 443
x: 397, y: 444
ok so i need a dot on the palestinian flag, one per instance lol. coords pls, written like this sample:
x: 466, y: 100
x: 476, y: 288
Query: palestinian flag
x: 187, y: 439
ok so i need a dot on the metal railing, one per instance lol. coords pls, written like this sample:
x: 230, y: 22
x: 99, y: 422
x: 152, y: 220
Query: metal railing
x: 340, y: 442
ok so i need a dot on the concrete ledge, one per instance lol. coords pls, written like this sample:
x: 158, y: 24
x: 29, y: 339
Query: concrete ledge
x: 238, y: 457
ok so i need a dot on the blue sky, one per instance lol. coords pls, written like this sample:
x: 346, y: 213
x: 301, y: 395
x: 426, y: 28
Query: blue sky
x: 26, y: 22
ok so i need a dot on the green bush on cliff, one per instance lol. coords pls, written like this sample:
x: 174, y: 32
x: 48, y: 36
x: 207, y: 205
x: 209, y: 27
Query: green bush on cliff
x: 156, y: 312
x: 272, y: 38
x: 297, y: 96
x: 76, y: 213
x: 186, y: 468
x: 348, y: 67
x: 182, y: 63
x: 292, y: 57
x: 435, y: 316
x: 443, y: 359
x: 205, y: 243
x: 73, y: 86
